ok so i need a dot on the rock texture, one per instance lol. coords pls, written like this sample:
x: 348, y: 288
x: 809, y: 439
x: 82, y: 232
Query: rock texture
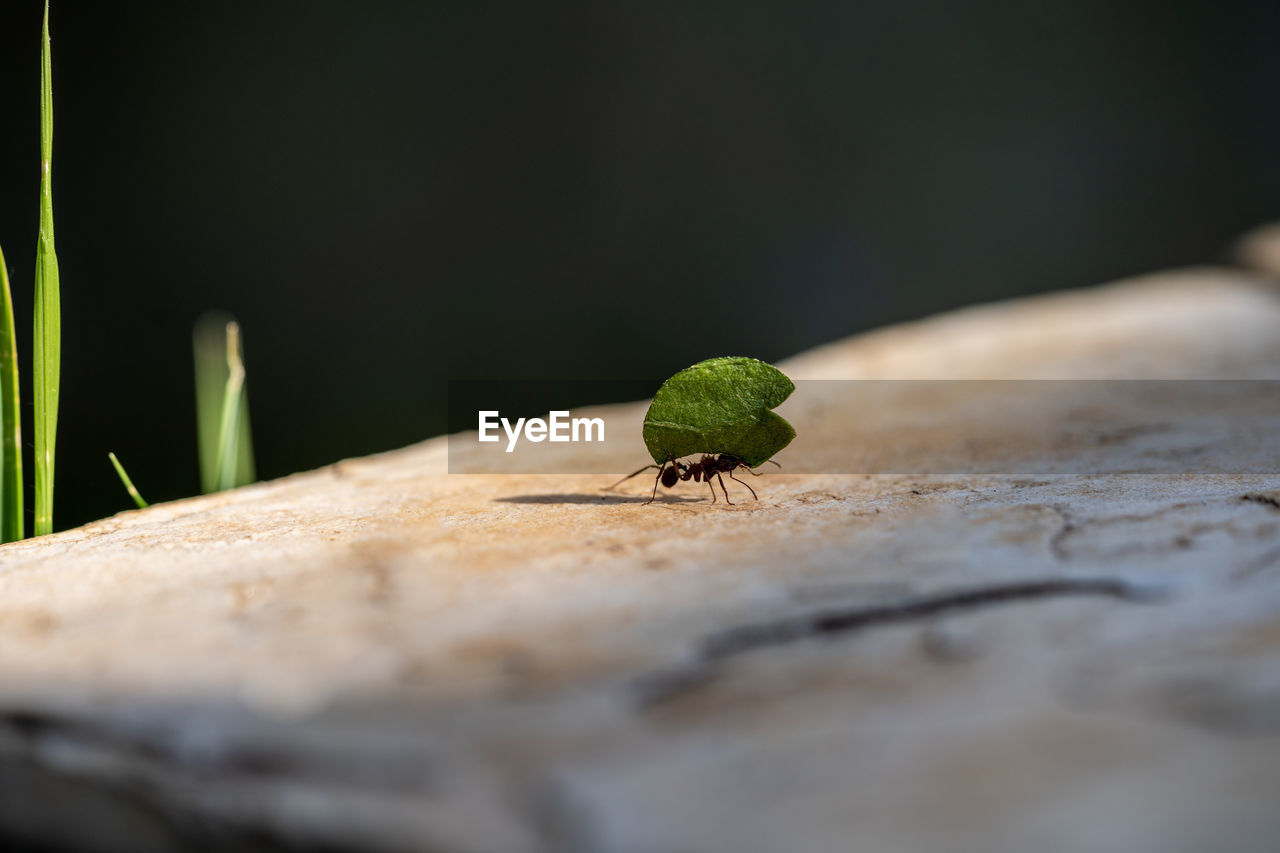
x: 381, y: 656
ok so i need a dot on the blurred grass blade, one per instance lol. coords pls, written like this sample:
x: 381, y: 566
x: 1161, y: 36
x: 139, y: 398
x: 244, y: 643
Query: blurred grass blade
x: 245, y: 472
x: 210, y: 349
x: 46, y: 363
x: 128, y: 484
x: 229, y: 425
x: 222, y: 412
x: 10, y: 419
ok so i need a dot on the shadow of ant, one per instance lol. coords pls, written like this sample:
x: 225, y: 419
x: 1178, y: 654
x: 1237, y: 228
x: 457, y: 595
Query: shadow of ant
x: 592, y: 499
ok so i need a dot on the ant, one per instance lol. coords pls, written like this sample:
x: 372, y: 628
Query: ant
x: 671, y: 471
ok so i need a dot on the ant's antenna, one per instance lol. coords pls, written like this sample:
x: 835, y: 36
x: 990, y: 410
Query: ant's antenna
x: 628, y: 477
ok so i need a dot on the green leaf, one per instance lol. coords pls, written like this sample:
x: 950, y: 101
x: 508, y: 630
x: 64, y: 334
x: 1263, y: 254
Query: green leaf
x: 128, y: 484
x: 10, y: 419
x: 47, y: 361
x: 721, y: 405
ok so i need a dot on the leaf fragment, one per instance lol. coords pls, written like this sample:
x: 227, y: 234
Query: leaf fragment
x: 721, y: 405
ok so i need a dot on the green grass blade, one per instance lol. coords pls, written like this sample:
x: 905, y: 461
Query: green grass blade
x: 46, y: 363
x: 128, y: 484
x: 209, y: 345
x: 245, y: 472
x: 222, y: 410
x: 10, y: 419
x: 229, y: 427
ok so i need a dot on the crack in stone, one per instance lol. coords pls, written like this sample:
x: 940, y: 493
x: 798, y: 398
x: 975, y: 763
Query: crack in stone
x: 731, y: 642
x: 1056, y: 542
x: 1071, y: 526
x: 734, y: 641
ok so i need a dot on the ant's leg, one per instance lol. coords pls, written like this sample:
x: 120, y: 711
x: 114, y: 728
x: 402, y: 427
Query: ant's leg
x: 656, y: 480
x: 713, y: 490
x: 722, y: 488
x: 748, y: 485
x: 629, y: 476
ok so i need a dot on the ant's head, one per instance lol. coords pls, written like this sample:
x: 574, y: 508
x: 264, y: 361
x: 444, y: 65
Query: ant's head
x: 671, y: 475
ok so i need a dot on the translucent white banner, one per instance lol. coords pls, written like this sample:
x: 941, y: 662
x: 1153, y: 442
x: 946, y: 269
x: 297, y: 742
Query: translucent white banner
x: 918, y: 427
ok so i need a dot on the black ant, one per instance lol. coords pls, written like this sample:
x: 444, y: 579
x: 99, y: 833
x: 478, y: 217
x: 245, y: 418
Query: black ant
x: 671, y: 471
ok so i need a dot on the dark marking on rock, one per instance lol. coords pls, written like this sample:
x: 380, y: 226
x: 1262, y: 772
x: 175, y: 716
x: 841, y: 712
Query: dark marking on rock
x: 735, y: 641
x: 659, y: 687
x: 1057, y: 545
x: 835, y: 622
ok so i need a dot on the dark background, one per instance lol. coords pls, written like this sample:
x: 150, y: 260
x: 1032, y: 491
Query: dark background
x: 394, y: 196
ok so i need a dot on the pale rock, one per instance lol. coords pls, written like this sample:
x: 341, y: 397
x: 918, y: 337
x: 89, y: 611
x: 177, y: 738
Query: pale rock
x: 381, y: 656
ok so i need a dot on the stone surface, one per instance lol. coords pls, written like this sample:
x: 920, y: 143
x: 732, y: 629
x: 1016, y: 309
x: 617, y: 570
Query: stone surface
x: 379, y: 655
x: 1260, y: 249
